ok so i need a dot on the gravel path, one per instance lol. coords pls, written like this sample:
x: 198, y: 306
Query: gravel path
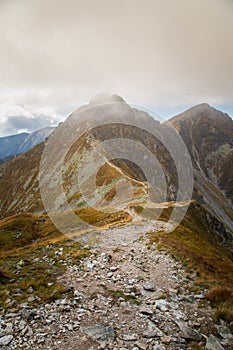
x: 125, y: 295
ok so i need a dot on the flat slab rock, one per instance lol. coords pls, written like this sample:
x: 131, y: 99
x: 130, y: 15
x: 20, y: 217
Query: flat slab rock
x: 6, y: 340
x: 224, y: 332
x: 100, y: 333
x: 213, y: 343
x: 187, y: 332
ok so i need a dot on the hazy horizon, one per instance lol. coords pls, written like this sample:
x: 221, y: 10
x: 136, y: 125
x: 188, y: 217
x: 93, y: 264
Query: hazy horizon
x: 163, y: 55
x: 13, y: 124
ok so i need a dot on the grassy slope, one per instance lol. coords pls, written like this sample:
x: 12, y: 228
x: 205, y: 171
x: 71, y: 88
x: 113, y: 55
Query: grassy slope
x: 190, y: 243
x: 32, y: 252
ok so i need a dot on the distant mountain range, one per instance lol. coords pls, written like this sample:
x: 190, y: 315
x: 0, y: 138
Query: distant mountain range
x: 21, y: 143
x: 207, y: 133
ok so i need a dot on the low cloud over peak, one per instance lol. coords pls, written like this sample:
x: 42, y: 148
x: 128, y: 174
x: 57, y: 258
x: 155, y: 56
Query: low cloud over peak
x: 154, y: 52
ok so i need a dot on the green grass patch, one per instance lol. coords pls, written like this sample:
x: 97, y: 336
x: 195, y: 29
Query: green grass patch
x: 25, y: 229
x: 127, y: 297
x: 36, y: 267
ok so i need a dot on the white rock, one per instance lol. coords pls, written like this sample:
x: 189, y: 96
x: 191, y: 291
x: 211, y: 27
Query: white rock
x: 149, y: 286
x: 6, y: 340
x: 130, y: 337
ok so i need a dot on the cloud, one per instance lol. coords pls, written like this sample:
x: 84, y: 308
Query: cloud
x: 22, y: 123
x: 152, y: 52
x: 16, y: 119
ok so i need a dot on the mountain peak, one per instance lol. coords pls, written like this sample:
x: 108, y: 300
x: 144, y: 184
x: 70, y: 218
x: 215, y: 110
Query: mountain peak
x: 203, y: 104
x: 203, y: 107
x: 106, y: 98
x: 202, y: 112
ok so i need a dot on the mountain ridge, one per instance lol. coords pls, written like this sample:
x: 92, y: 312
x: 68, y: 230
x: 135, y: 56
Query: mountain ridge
x: 119, y: 264
x: 204, y: 166
x: 20, y: 143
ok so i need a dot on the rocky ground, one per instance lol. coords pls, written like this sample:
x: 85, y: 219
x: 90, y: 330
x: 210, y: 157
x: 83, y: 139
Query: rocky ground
x: 125, y: 295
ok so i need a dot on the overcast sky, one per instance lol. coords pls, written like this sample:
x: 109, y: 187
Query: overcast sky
x: 163, y: 54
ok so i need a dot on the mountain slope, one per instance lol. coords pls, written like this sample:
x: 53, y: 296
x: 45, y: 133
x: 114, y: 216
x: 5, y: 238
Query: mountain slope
x: 9, y: 144
x: 34, y: 138
x: 208, y: 135
x: 19, y: 186
x: 23, y: 194
x: 73, y: 156
x: 17, y: 144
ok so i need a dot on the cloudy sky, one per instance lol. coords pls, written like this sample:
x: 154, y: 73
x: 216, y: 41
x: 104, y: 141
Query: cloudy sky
x: 166, y: 55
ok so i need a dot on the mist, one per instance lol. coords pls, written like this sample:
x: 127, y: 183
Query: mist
x: 156, y: 53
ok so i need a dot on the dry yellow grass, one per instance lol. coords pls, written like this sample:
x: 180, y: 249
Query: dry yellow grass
x: 190, y: 243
